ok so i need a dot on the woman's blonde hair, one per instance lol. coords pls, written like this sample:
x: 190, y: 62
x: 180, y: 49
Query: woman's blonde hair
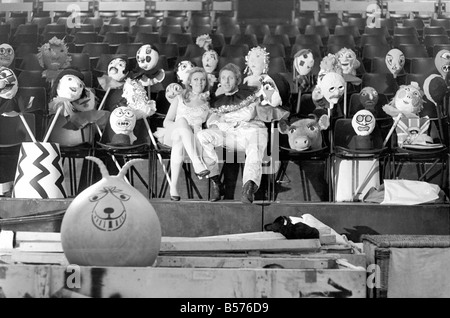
x: 187, y: 93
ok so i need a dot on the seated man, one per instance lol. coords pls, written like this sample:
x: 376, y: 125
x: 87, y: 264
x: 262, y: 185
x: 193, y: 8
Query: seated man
x: 233, y: 124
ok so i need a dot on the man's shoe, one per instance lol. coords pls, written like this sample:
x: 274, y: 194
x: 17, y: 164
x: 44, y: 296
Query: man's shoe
x: 248, y: 192
x: 217, y: 190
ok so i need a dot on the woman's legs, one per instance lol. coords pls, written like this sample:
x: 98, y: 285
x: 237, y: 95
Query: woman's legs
x: 176, y: 162
x: 184, y: 132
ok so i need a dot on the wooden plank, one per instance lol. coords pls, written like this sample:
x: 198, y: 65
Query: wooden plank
x: 18, y: 256
x: 265, y: 235
x: 16, y: 7
x: 303, y: 262
x: 222, y: 6
x: 23, y: 236
x: 350, y: 6
x: 409, y: 6
x: 50, y: 247
x: 235, y: 246
x: 309, y: 6
x: 151, y: 282
x: 64, y: 6
x: 121, y: 6
x: 179, y: 6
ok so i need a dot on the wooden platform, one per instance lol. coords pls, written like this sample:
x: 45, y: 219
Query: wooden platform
x: 191, y: 218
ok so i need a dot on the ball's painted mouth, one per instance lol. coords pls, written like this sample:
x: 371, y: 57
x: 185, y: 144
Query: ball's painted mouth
x: 108, y: 223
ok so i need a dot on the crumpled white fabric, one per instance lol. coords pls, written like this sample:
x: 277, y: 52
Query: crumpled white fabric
x: 409, y: 192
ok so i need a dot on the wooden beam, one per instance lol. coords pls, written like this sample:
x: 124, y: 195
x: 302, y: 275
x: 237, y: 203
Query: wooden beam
x: 64, y: 6
x: 179, y: 6
x: 262, y: 245
x: 121, y: 6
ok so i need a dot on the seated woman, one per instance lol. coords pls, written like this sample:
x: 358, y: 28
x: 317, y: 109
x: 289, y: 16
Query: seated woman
x: 185, y: 117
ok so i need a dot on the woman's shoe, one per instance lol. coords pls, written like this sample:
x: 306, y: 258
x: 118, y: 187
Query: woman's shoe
x: 175, y: 198
x: 203, y: 174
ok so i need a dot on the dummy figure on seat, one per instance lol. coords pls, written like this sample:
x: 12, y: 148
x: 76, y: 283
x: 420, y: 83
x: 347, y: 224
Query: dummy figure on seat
x: 53, y: 57
x: 6, y: 55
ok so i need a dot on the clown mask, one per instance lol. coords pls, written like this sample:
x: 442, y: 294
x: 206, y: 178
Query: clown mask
x: 442, y: 62
x: 408, y: 99
x: 123, y: 120
x: 70, y: 87
x: 363, y: 122
x: 348, y: 61
x: 6, y: 55
x: 172, y: 91
x: 210, y: 59
x: 368, y: 97
x: 147, y: 57
x: 257, y: 61
x: 303, y: 62
x: 183, y: 69
x: 395, y: 60
x: 54, y: 55
x: 117, y: 69
x: 332, y: 87
x: 8, y: 83
x: 270, y: 93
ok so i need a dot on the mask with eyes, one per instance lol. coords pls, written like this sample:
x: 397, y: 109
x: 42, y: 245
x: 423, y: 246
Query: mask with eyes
x: 70, y: 87
x: 363, y: 122
x: 146, y: 57
x: 332, y: 87
x: 348, y: 61
x: 408, y: 99
x: 183, y: 69
x: 172, y: 91
x: 210, y: 59
x: 368, y: 97
x: 257, y: 61
x: 442, y: 62
x: 8, y: 83
x: 123, y: 121
x: 6, y: 55
x: 54, y: 55
x: 395, y: 60
x: 303, y: 62
x: 117, y: 69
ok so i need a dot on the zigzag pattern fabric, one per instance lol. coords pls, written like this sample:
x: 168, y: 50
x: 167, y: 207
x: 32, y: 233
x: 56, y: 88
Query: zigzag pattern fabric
x: 39, y: 173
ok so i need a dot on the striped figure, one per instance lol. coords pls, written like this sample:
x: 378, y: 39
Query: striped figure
x: 39, y: 173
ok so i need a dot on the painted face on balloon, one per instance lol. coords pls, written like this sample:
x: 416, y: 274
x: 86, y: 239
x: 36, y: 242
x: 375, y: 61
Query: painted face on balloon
x: 172, y: 91
x: 70, y: 87
x: 395, y: 60
x: 8, y: 83
x: 147, y: 57
x: 210, y: 59
x: 257, y: 61
x: 183, y: 69
x: 6, y: 55
x: 368, y: 97
x: 347, y: 59
x: 304, y: 62
x: 123, y: 120
x: 408, y: 99
x: 117, y: 69
x: 363, y: 122
x: 442, y: 62
x: 332, y: 87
